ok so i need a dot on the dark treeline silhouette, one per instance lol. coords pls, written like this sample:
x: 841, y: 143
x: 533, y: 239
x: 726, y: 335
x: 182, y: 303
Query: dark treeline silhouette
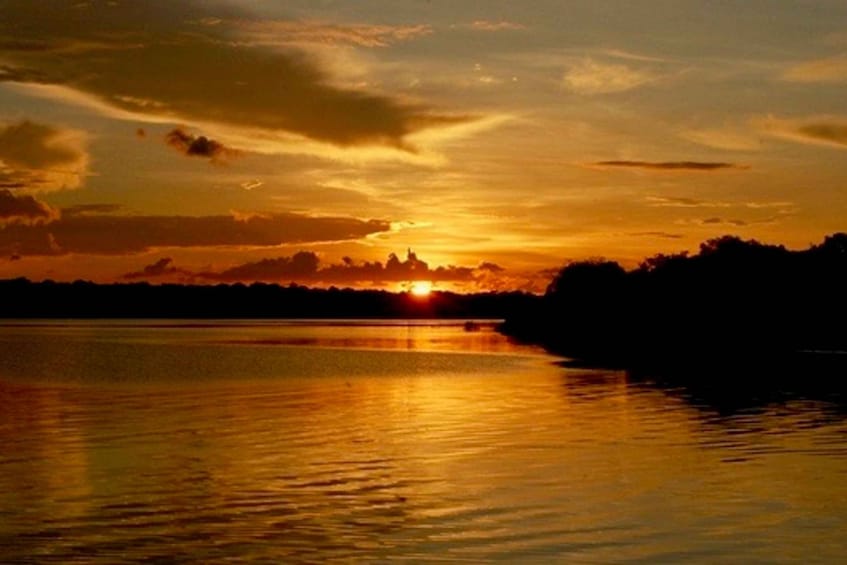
x: 734, y: 300
x: 81, y: 299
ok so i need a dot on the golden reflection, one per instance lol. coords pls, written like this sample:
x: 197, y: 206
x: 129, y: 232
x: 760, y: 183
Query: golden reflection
x: 40, y: 429
x: 412, y: 453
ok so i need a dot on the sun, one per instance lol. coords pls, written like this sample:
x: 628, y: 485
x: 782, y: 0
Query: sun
x: 421, y: 289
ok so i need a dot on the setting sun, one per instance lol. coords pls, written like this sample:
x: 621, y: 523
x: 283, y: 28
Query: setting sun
x: 421, y: 288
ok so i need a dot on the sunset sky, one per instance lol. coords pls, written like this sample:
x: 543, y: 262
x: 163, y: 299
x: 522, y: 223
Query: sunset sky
x: 309, y: 140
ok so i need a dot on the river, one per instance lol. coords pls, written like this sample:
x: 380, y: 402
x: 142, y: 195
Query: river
x: 374, y: 441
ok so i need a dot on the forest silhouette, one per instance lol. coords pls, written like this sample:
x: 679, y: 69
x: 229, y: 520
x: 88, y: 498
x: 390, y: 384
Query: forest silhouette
x: 83, y: 299
x: 735, y: 300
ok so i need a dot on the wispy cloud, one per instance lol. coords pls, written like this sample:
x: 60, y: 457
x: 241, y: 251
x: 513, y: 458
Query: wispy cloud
x: 282, y: 32
x: 820, y: 130
x: 731, y: 139
x: 828, y: 70
x: 687, y: 202
x: 702, y: 166
x: 591, y: 77
x: 683, y: 202
x: 495, y: 25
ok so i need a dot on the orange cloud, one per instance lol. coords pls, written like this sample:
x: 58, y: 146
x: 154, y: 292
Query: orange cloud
x: 38, y: 157
x: 590, y: 77
x: 831, y: 69
x: 501, y: 25
x: 286, y: 32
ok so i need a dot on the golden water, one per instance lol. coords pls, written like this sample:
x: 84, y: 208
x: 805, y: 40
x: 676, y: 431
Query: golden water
x: 312, y: 442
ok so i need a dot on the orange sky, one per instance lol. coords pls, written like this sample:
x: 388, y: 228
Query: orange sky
x: 309, y: 141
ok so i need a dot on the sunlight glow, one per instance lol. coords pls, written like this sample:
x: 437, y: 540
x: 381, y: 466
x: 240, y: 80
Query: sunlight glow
x: 421, y: 289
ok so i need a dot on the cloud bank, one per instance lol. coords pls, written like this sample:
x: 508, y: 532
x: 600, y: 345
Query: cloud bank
x: 306, y: 267
x: 111, y: 234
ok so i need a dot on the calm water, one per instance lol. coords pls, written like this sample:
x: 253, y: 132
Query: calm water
x: 308, y: 442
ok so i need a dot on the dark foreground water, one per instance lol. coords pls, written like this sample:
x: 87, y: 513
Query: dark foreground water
x: 299, y: 442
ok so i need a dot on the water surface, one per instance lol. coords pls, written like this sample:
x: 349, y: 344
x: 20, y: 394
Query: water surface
x: 315, y: 441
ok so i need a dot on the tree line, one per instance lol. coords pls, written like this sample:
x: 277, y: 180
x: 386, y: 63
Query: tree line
x: 732, y: 300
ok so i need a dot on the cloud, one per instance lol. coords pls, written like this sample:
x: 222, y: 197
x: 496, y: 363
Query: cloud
x: 197, y: 146
x: 251, y: 184
x: 682, y: 202
x: 659, y: 234
x: 305, y: 266
x: 24, y: 210
x: 147, y: 61
x: 590, y: 77
x: 686, y: 202
x: 91, y: 209
x: 287, y: 32
x: 110, y: 234
x: 39, y: 157
x: 669, y: 165
x: 489, y: 25
x: 723, y: 222
x: 161, y: 268
x: 727, y: 138
x: 828, y: 70
x: 821, y: 130
x: 488, y: 266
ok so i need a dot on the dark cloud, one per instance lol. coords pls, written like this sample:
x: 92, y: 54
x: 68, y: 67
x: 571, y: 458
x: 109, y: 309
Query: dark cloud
x: 150, y: 59
x: 197, y: 146
x: 108, y: 234
x: 660, y: 234
x: 493, y: 267
x: 834, y: 132
x: 305, y: 266
x: 23, y: 210
x: 724, y: 222
x: 161, y: 268
x: 40, y: 157
x: 301, y: 266
x: 670, y: 165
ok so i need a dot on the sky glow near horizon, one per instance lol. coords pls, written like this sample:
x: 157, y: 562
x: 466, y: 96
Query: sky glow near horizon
x: 375, y: 143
